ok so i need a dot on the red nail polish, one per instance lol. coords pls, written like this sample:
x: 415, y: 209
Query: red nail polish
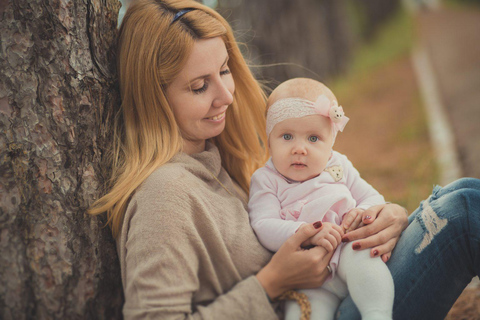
x: 317, y: 225
x: 356, y: 246
x: 367, y: 218
x: 375, y: 253
x: 345, y: 239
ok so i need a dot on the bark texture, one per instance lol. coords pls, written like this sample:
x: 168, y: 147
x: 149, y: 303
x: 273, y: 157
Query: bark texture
x: 57, y: 93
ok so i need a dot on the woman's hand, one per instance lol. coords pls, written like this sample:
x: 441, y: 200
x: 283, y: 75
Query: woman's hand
x: 383, y: 227
x: 293, y: 267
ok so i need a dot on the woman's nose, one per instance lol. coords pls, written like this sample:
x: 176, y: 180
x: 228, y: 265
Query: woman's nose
x: 224, y: 95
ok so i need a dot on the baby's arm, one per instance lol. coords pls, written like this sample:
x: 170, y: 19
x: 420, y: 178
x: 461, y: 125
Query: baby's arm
x: 363, y: 193
x: 264, y: 210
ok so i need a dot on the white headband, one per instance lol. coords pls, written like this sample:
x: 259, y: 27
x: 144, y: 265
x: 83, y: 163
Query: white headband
x: 284, y: 109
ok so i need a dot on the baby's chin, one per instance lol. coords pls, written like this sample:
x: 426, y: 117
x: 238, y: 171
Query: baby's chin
x: 301, y: 178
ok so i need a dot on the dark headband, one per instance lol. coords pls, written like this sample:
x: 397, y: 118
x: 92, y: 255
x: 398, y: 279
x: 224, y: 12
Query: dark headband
x: 181, y: 13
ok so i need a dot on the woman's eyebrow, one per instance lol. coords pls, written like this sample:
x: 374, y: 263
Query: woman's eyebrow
x: 207, y: 75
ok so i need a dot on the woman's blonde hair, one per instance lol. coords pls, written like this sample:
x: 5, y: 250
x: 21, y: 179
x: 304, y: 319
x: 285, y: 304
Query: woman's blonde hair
x: 151, y: 52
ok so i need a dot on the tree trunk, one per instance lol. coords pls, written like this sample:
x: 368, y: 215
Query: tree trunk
x: 57, y: 95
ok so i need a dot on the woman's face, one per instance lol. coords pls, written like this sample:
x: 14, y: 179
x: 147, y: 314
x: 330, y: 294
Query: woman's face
x: 201, y: 94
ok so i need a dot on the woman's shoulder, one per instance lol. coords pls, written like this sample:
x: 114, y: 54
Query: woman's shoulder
x: 169, y: 183
x: 168, y: 175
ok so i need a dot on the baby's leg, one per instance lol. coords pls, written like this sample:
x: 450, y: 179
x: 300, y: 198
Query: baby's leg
x: 323, y: 302
x: 369, y: 282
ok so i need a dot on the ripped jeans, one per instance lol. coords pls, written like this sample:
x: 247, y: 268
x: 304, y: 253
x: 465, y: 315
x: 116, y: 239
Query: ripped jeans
x: 437, y: 255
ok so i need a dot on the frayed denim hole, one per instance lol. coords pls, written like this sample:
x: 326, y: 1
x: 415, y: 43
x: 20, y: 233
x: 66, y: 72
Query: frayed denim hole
x: 436, y: 190
x: 431, y: 222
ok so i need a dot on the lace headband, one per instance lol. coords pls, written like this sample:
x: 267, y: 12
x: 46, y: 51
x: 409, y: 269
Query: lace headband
x: 284, y: 109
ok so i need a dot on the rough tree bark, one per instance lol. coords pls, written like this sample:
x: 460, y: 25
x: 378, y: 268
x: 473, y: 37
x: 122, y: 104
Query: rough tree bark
x: 57, y: 94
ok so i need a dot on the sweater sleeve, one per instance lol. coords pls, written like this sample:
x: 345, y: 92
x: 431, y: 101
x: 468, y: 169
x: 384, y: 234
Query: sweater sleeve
x: 162, y: 262
x: 363, y: 193
x: 264, y: 210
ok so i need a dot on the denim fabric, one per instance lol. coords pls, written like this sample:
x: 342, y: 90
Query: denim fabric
x: 437, y: 255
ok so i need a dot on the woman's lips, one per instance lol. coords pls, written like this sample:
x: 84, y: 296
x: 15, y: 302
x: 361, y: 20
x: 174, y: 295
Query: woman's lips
x: 217, y: 117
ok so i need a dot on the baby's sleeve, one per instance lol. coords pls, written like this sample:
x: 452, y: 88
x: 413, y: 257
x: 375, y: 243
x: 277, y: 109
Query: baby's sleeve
x: 264, y: 210
x: 364, y: 194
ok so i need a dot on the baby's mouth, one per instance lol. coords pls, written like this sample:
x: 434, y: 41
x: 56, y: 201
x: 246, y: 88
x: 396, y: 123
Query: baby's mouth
x: 298, y: 165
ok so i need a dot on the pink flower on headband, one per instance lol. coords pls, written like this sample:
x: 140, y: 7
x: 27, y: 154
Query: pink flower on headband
x: 331, y: 110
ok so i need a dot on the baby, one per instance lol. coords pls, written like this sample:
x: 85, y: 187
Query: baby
x: 306, y: 181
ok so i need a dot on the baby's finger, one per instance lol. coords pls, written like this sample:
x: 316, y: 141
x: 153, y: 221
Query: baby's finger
x: 355, y: 223
x: 337, y: 232
x: 348, y: 219
x: 326, y: 244
x: 334, y: 242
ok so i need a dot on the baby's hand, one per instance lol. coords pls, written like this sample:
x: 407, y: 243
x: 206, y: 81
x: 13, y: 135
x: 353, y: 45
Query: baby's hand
x: 352, y: 220
x: 329, y: 237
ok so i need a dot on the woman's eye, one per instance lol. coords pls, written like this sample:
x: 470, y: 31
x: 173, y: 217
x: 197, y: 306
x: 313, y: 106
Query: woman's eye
x: 287, y: 136
x: 224, y: 72
x: 202, y: 89
x: 313, y: 139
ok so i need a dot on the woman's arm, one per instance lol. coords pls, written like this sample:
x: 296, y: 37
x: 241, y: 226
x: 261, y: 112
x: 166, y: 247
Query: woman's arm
x: 175, y: 264
x: 167, y: 267
x: 295, y: 268
x: 383, y: 227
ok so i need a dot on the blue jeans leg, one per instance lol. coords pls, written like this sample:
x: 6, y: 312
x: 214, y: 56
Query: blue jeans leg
x: 437, y: 255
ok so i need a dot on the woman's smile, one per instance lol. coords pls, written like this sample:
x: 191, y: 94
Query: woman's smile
x: 218, y: 118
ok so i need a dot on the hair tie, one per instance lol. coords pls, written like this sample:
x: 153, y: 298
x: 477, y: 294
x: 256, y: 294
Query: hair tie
x: 180, y: 13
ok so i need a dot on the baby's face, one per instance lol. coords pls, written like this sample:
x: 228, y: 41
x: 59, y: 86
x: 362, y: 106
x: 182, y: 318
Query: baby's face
x: 300, y: 147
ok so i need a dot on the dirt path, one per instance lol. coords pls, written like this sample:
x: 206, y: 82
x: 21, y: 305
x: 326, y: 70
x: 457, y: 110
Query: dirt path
x: 387, y: 141
x: 452, y: 40
x: 387, y: 138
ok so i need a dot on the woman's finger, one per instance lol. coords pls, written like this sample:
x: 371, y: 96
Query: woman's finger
x: 386, y: 256
x: 364, y: 232
x: 369, y: 215
x: 374, y: 240
x: 383, y: 249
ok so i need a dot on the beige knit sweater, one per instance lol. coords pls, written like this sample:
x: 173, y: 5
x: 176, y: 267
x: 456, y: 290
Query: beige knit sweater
x: 186, y: 247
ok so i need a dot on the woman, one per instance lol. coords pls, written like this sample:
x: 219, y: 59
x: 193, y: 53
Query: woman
x: 188, y: 137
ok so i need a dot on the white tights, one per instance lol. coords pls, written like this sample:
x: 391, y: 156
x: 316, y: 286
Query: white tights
x: 367, y: 279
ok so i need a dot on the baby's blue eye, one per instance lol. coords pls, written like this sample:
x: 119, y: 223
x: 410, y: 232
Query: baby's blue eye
x: 287, y: 136
x: 313, y: 138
